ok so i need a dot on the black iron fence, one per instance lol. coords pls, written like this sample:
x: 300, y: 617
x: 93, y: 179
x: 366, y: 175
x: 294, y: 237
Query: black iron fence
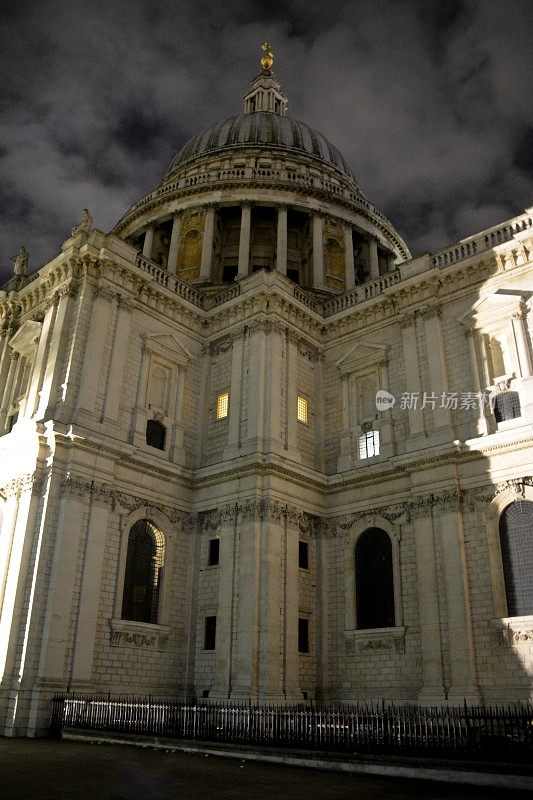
x: 505, y: 733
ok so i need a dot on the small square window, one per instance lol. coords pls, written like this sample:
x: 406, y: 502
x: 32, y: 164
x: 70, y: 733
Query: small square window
x: 369, y: 444
x: 222, y: 405
x: 303, y: 635
x: 303, y: 555
x: 214, y: 552
x: 302, y: 409
x: 210, y: 633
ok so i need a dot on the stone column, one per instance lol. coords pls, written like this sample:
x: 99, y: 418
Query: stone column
x: 5, y: 364
x: 68, y: 536
x: 348, y: 258
x: 148, y: 244
x: 281, y: 248
x: 481, y: 421
x: 270, y: 674
x: 85, y: 633
x: 235, y: 398
x: 318, y: 251
x: 373, y: 257
x: 345, y: 459
x: 412, y: 372
x: 116, y: 367
x: 8, y: 391
x: 436, y: 365
x: 207, y: 244
x: 172, y: 264
x: 272, y: 419
x: 244, y: 241
x: 225, y: 610
x: 291, y: 393
x: 56, y: 353
x: 256, y: 388
x: 460, y: 644
x: 246, y: 634
x: 39, y: 363
x: 94, y: 352
x: 432, y: 690
x: 521, y: 342
x: 291, y: 601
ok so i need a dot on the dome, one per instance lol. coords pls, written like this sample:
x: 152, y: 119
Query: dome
x: 262, y: 128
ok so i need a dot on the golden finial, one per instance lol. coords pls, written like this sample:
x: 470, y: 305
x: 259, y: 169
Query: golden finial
x: 268, y: 58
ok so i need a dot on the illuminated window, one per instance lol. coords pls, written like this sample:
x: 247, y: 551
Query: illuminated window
x: 369, y: 444
x: 302, y: 409
x: 222, y: 405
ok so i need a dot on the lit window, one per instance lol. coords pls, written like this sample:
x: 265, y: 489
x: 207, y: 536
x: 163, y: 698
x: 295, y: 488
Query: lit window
x: 369, y: 444
x: 222, y: 405
x: 302, y: 409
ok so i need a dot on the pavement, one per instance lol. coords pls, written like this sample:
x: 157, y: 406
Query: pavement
x: 156, y: 770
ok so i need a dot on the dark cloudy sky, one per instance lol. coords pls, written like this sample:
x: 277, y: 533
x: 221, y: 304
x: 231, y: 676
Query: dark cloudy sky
x: 429, y: 100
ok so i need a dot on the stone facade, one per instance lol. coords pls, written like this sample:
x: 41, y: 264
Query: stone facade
x: 259, y: 270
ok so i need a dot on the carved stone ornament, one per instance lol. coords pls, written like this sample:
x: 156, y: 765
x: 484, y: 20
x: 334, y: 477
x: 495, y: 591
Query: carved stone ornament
x: 378, y: 640
x: 516, y: 485
x: 258, y: 509
x: 23, y: 483
x: 126, y: 633
x: 514, y: 632
x: 84, y: 225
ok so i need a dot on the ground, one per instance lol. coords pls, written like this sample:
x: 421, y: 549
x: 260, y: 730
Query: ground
x: 45, y: 770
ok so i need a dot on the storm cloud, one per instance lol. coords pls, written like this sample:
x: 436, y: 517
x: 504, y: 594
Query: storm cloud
x: 430, y: 103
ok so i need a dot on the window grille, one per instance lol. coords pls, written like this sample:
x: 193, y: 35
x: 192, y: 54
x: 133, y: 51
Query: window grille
x: 369, y: 444
x: 507, y: 406
x: 302, y: 412
x: 144, y: 565
x: 222, y: 405
x: 516, y: 541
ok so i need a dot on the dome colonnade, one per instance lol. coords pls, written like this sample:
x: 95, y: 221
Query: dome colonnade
x: 263, y: 191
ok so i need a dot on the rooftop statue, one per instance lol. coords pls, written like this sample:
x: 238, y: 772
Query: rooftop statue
x: 20, y: 261
x: 84, y: 225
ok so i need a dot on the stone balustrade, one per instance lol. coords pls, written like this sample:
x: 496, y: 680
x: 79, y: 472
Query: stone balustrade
x: 483, y: 241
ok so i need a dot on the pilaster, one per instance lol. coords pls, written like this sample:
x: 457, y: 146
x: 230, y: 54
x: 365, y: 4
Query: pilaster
x: 244, y: 241
x: 207, y: 244
x: 281, y: 248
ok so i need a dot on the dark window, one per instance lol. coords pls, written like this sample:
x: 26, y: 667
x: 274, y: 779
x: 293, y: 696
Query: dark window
x: 229, y: 273
x: 214, y: 552
x: 374, y: 580
x: 155, y: 434
x: 11, y: 422
x: 507, y: 406
x: 144, y: 565
x: 293, y: 275
x: 303, y: 555
x: 516, y: 541
x: 303, y: 635
x: 210, y: 633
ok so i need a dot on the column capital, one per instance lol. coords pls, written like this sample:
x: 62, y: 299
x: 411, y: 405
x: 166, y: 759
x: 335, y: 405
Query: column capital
x: 430, y: 311
x: 246, y: 203
x: 407, y: 319
x: 210, y: 206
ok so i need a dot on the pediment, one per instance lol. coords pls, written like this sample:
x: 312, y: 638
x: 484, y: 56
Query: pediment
x: 493, y: 308
x: 362, y: 355
x: 25, y: 339
x: 167, y: 346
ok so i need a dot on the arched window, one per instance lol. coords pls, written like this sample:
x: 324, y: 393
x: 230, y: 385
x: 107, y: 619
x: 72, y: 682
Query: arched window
x: 374, y: 580
x: 516, y: 542
x: 155, y: 434
x: 144, y: 566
